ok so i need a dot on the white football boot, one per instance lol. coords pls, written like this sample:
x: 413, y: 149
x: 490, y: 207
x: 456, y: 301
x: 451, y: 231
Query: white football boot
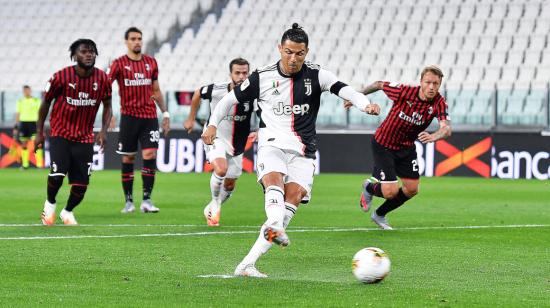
x: 248, y: 270
x: 48, y: 214
x: 68, y: 218
x: 380, y: 221
x: 129, y: 207
x: 147, y: 206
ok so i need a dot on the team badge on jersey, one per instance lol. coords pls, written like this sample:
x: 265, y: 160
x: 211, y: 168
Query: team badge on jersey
x: 147, y: 67
x: 246, y: 106
x: 94, y: 86
x: 430, y: 110
x: 307, y: 84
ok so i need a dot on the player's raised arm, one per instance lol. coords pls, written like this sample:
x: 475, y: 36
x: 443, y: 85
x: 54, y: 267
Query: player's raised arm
x: 329, y: 82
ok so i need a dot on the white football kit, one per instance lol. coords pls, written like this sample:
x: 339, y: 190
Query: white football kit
x: 287, y: 107
x: 233, y: 130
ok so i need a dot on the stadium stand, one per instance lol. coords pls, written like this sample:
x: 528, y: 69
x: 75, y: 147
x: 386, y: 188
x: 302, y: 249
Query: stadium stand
x: 492, y: 52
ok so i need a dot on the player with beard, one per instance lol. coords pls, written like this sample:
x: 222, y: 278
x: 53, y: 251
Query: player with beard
x: 76, y: 92
x: 226, y: 154
x: 137, y: 78
x: 288, y: 94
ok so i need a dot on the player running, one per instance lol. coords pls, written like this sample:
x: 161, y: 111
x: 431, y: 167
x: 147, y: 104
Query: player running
x: 137, y: 78
x: 26, y: 116
x: 226, y: 154
x: 78, y: 91
x: 394, y: 152
x: 288, y: 93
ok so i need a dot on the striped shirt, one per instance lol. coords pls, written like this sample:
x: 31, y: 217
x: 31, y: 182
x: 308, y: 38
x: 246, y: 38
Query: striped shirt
x: 409, y: 116
x: 135, y: 81
x: 76, y: 103
x: 235, y: 127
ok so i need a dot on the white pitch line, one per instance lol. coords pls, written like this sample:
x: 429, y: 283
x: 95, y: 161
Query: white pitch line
x: 291, y: 230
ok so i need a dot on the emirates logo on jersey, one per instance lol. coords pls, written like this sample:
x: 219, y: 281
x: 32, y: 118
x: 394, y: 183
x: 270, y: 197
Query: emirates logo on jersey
x: 82, y: 100
x: 415, y: 119
x: 139, y: 80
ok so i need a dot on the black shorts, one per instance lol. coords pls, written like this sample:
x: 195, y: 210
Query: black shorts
x: 390, y: 164
x: 134, y: 130
x: 27, y: 130
x: 74, y: 158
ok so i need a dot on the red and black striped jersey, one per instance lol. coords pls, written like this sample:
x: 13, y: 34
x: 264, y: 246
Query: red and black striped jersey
x: 76, y: 103
x: 135, y: 82
x: 409, y: 116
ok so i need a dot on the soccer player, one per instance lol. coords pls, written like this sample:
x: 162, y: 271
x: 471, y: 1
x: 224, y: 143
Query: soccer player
x: 78, y: 91
x: 226, y: 154
x: 137, y: 78
x: 394, y: 152
x: 288, y: 93
x: 26, y: 116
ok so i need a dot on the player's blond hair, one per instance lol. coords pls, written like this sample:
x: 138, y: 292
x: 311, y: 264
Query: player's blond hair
x: 432, y: 69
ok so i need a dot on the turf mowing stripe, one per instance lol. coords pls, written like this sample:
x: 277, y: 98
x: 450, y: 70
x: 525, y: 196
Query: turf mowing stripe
x: 251, y: 231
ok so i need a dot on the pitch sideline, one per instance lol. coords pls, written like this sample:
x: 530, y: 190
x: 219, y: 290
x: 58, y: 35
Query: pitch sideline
x: 290, y: 230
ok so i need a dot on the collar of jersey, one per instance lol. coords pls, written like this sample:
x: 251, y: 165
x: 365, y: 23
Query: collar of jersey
x: 288, y: 76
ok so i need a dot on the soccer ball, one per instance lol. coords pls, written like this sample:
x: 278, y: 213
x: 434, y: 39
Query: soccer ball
x: 370, y: 265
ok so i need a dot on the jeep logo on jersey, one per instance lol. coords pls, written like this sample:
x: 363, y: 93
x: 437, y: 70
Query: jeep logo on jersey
x: 307, y: 84
x: 281, y: 109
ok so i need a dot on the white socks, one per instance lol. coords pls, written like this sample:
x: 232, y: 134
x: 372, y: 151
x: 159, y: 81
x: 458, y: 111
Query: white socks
x: 275, y: 206
x: 260, y: 247
x: 215, y: 185
x: 224, y: 195
x: 289, y: 213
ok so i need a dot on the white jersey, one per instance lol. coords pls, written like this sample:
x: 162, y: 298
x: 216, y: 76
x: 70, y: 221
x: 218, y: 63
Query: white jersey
x: 233, y: 130
x: 288, y: 105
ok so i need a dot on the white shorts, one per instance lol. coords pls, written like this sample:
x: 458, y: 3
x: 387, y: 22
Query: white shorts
x: 295, y: 167
x: 219, y: 150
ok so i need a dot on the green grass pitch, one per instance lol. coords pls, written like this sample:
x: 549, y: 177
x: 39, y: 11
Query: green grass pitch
x: 155, y: 260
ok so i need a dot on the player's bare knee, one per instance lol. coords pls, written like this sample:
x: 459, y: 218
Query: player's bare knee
x: 220, y: 171
x: 390, y: 192
x: 128, y: 159
x: 229, y: 184
x: 410, y: 191
x: 149, y: 154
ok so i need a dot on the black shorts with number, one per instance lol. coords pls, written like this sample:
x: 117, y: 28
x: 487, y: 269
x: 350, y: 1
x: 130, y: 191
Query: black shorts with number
x: 390, y: 164
x: 74, y: 158
x: 27, y: 130
x: 134, y: 130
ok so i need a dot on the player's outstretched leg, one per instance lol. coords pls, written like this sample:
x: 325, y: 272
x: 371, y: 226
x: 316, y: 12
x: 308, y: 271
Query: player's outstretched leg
x: 128, y: 187
x: 379, y: 216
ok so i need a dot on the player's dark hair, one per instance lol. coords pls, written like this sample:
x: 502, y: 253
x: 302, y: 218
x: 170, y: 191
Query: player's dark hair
x: 26, y: 87
x: 434, y: 69
x: 86, y: 42
x: 131, y: 29
x: 237, y: 61
x: 295, y: 34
